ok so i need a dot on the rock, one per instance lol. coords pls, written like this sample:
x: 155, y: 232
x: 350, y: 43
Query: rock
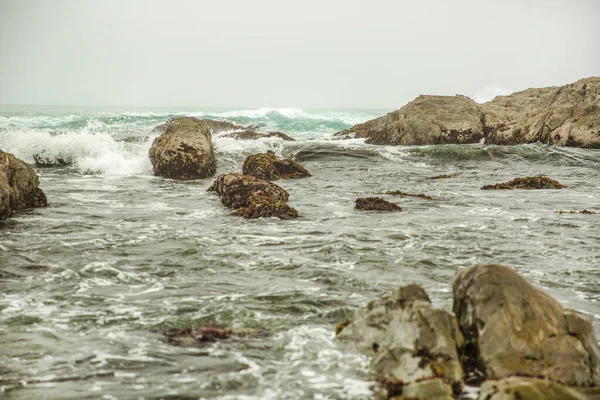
x: 515, y: 388
x: 253, y: 135
x: 561, y: 116
x: 375, y: 204
x: 268, y: 166
x: 184, y: 150
x: 425, y: 120
x: 406, y: 194
x: 44, y: 160
x: 413, y: 345
x: 215, y: 126
x: 253, y: 197
x: 528, y: 182
x: 19, y: 186
x: 443, y: 176
x: 512, y: 328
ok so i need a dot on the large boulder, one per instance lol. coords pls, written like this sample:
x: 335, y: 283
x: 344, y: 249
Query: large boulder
x: 414, y: 346
x: 268, y: 166
x: 184, y: 150
x: 253, y: 197
x: 19, y: 186
x: 512, y: 328
x: 425, y: 120
x: 562, y: 116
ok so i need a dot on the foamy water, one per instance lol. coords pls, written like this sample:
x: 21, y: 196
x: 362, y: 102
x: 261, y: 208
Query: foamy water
x: 88, y: 284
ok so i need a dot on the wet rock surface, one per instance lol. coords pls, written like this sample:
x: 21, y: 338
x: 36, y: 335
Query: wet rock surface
x: 184, y: 150
x: 269, y: 167
x: 19, y: 186
x: 252, y: 197
x: 560, y: 116
x: 400, y: 193
x: 413, y: 345
x: 375, y: 204
x: 512, y: 328
x: 521, y: 388
x: 253, y: 135
x: 529, y: 183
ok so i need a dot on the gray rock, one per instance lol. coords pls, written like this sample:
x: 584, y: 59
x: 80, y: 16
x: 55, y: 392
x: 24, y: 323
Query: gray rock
x: 19, y: 186
x: 409, y: 341
x: 512, y: 328
x: 184, y: 150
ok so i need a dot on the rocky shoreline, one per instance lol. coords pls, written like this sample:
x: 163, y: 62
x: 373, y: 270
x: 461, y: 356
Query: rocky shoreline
x: 558, y: 116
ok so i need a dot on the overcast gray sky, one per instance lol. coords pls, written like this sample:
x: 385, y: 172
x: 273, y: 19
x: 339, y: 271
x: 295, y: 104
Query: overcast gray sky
x: 278, y: 53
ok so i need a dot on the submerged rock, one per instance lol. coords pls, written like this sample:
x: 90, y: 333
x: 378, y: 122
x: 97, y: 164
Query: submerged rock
x: 561, y: 116
x: 528, y: 182
x: 512, y: 328
x: 253, y: 135
x: 443, y: 176
x: 406, y: 194
x: 527, y: 389
x: 414, y: 347
x: 19, y: 186
x: 184, y: 150
x: 253, y: 197
x: 43, y: 160
x: 375, y: 204
x: 268, y: 166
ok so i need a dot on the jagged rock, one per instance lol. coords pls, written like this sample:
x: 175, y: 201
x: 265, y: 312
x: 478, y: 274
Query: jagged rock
x: 253, y: 197
x: 515, y: 388
x: 19, y: 186
x: 253, y: 135
x: 425, y: 120
x: 512, y: 328
x: 411, y: 343
x: 44, y: 160
x: 268, y: 166
x: 562, y: 116
x: 375, y: 204
x: 184, y: 150
x: 528, y: 182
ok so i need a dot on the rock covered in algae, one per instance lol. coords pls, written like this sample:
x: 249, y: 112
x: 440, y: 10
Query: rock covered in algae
x: 184, y: 150
x: 528, y: 182
x: 375, y: 204
x: 513, y: 328
x: 253, y: 135
x: 268, y: 166
x: 414, y: 346
x: 514, y: 388
x: 19, y: 186
x: 253, y: 197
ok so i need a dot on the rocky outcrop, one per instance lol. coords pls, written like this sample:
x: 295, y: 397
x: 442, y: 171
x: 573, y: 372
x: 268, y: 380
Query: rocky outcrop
x: 19, y: 186
x: 562, y: 116
x: 253, y: 197
x: 268, y: 166
x: 512, y: 328
x: 528, y: 183
x: 184, y: 150
x: 375, y: 204
x: 414, y: 346
x: 253, y: 135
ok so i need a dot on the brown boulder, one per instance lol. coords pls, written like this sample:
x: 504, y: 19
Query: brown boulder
x: 253, y: 197
x: 561, y: 116
x: 512, y: 328
x: 253, y: 135
x: 268, y: 166
x: 375, y: 204
x: 19, y: 186
x: 413, y: 345
x: 184, y: 150
x: 528, y: 182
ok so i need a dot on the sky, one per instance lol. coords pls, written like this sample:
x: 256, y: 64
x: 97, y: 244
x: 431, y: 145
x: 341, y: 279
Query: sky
x: 284, y: 53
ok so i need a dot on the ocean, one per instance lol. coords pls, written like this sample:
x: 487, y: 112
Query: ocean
x: 88, y: 284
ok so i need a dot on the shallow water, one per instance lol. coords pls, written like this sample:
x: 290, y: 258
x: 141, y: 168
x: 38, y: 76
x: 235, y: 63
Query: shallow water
x: 88, y: 284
